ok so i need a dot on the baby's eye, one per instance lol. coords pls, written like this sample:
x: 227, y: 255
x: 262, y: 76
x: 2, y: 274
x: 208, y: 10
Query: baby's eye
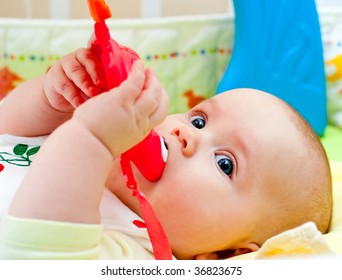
x: 225, y: 164
x: 198, y: 122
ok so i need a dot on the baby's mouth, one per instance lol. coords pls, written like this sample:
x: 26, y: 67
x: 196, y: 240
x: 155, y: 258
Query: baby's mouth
x: 165, y: 149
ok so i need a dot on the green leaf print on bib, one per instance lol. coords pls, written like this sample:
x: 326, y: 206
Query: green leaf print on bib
x: 20, y: 156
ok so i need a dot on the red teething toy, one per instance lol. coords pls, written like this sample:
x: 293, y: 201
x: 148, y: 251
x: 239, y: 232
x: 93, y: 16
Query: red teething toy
x: 147, y: 155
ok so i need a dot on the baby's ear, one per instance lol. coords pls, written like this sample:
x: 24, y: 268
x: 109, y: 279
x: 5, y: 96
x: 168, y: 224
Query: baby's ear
x: 220, y: 255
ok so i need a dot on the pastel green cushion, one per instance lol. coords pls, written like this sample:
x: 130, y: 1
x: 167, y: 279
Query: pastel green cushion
x: 332, y: 142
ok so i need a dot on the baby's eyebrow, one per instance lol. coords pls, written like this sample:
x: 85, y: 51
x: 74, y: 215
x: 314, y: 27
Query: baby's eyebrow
x: 212, y: 102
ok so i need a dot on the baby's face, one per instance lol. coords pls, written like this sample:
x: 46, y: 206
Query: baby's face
x: 220, y: 154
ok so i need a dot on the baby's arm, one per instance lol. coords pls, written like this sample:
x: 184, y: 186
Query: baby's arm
x: 38, y: 106
x: 67, y: 180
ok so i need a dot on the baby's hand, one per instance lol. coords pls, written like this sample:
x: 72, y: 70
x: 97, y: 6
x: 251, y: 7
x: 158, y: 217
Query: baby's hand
x: 73, y: 79
x: 123, y: 116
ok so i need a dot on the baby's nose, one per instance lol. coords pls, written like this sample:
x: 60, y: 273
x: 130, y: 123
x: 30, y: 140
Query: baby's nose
x: 187, y: 137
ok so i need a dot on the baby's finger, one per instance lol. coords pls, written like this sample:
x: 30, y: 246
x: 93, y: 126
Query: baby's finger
x: 91, y: 41
x: 92, y: 64
x: 150, y: 97
x: 161, y: 111
x: 63, y: 86
x: 77, y: 73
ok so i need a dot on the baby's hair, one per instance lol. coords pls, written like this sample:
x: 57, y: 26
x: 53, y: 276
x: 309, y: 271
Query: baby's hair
x: 319, y: 208
x: 303, y: 192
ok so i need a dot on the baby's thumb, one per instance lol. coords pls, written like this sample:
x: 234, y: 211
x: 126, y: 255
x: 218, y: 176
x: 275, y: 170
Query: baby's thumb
x: 135, y: 81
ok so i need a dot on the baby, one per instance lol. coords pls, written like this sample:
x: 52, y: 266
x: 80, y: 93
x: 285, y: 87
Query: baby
x: 242, y: 167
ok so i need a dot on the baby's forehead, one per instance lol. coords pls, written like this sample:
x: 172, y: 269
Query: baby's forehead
x: 260, y: 113
x: 245, y: 95
x: 251, y: 102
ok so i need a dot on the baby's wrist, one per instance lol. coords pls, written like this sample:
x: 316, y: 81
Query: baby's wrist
x: 95, y: 131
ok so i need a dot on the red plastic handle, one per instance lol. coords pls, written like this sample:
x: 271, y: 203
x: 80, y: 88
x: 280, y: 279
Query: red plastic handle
x: 99, y: 10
